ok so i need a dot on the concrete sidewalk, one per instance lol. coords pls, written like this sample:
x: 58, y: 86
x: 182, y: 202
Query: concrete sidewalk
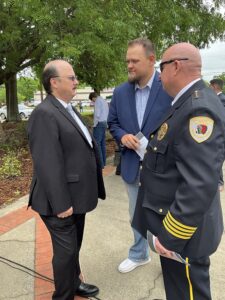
x: 24, y: 239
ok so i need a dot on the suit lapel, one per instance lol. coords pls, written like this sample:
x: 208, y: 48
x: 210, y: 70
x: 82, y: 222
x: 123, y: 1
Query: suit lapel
x: 198, y: 85
x: 67, y: 115
x: 152, y: 98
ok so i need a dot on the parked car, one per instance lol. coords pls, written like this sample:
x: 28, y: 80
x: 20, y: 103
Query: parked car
x: 34, y: 102
x: 24, y: 111
x: 3, y: 113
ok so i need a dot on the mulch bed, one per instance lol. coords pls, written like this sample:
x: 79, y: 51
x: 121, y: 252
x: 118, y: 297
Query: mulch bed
x: 16, y: 187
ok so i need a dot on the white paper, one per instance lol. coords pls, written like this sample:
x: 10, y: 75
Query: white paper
x: 143, y: 145
x: 175, y: 256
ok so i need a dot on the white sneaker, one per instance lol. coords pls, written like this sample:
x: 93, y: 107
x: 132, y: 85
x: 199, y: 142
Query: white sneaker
x: 128, y: 265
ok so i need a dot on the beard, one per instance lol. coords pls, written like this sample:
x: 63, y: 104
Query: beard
x: 133, y: 78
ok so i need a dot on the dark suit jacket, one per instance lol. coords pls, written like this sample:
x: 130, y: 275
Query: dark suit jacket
x: 66, y: 168
x: 178, y: 199
x: 122, y: 120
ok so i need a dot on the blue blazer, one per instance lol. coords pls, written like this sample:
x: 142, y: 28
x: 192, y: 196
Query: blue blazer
x: 123, y: 120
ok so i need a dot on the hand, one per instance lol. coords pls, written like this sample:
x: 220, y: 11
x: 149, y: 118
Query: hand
x: 162, y: 250
x: 130, y: 141
x: 221, y: 187
x: 66, y: 213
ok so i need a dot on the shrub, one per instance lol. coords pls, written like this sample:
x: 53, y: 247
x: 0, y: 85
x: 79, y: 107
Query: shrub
x: 15, y: 135
x: 10, y: 165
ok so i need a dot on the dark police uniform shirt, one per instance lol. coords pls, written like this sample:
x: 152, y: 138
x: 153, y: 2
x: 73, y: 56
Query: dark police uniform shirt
x: 178, y: 198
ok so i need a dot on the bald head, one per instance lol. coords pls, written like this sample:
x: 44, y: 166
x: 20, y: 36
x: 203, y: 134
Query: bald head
x: 183, y: 65
x: 51, y: 70
x: 186, y: 50
x: 60, y: 80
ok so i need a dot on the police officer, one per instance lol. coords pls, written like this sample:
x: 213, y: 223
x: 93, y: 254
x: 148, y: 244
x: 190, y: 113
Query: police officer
x: 217, y: 85
x: 178, y: 198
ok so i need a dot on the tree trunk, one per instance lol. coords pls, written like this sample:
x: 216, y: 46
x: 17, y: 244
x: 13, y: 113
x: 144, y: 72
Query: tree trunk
x: 11, y: 99
x: 2, y: 134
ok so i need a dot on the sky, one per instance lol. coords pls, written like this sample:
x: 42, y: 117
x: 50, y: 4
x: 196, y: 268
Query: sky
x: 213, y: 60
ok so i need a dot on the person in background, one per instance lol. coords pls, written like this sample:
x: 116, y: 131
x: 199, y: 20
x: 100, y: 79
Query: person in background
x: 101, y: 110
x: 217, y: 85
x: 67, y: 177
x: 179, y: 200
x: 136, y: 107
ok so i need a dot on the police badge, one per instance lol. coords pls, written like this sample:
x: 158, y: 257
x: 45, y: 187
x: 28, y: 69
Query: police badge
x: 162, y: 131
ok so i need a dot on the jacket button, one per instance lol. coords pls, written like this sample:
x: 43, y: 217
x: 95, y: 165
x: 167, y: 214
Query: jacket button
x: 139, y: 183
x: 141, y: 167
x: 152, y: 136
x: 155, y: 148
x: 160, y: 210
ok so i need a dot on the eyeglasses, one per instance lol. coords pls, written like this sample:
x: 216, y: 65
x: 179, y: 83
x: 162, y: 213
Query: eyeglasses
x: 169, y: 62
x: 72, y: 78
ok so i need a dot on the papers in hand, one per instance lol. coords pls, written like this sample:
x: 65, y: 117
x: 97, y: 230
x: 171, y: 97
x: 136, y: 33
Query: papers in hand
x: 143, y: 144
x: 176, y: 256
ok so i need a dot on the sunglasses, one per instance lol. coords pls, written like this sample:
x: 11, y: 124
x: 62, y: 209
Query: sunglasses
x: 167, y: 62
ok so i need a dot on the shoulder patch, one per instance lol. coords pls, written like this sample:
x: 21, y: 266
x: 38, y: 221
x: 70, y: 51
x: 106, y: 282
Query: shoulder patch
x: 201, y: 128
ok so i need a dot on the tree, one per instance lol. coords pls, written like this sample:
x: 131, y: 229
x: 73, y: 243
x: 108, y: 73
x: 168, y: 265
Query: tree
x: 102, y: 32
x: 221, y: 76
x: 93, y: 34
x: 26, y: 87
x: 28, y: 30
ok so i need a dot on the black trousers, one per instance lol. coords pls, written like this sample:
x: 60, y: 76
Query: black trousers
x: 186, y: 282
x: 66, y: 235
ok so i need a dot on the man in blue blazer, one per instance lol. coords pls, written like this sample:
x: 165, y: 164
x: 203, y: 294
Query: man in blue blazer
x: 136, y: 106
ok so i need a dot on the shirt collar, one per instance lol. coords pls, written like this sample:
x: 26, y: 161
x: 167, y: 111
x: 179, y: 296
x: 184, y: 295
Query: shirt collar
x: 181, y: 92
x: 219, y: 93
x: 64, y: 104
x: 149, y: 84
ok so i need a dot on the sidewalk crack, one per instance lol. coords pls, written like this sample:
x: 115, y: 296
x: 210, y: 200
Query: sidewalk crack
x: 152, y: 288
x: 19, y: 241
x: 16, y: 297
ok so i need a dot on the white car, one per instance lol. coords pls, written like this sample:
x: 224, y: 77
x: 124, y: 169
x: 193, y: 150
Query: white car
x: 24, y: 111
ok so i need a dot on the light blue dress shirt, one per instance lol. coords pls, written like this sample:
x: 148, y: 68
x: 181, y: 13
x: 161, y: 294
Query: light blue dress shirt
x: 101, y: 110
x: 141, y: 97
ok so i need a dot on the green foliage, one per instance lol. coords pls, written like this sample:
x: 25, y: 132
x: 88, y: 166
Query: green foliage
x: 2, y: 94
x: 15, y: 136
x: 221, y: 76
x: 26, y: 87
x: 10, y: 165
x: 170, y: 21
x: 93, y: 34
x: 88, y: 119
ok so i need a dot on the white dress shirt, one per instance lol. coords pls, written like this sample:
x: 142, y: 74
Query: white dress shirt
x: 84, y: 129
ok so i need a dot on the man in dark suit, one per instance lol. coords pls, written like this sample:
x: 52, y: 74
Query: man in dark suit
x: 136, y: 107
x: 178, y: 200
x: 217, y: 85
x: 67, y: 178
